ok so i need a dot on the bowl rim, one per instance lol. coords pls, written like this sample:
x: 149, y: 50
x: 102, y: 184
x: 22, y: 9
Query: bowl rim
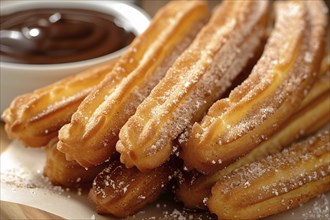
x: 118, y: 9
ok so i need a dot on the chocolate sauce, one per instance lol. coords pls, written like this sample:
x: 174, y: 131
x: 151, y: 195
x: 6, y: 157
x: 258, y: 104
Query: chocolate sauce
x: 48, y: 36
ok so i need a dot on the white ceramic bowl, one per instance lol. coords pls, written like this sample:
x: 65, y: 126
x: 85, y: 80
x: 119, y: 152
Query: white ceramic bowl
x: 17, y: 79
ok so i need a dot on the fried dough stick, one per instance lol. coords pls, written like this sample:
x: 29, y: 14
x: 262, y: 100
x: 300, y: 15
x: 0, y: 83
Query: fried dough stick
x: 277, y: 183
x: 195, y: 188
x: 66, y: 173
x: 198, y: 78
x: 36, y: 117
x: 122, y: 191
x: 91, y: 135
x: 269, y: 96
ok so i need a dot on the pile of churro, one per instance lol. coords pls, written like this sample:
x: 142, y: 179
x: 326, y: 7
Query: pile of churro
x: 228, y: 108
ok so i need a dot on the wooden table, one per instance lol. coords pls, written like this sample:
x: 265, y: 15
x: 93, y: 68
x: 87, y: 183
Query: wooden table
x: 11, y: 210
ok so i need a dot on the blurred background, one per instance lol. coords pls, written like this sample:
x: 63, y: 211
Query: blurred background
x: 151, y: 6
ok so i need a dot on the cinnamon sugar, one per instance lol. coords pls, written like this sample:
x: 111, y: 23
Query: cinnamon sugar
x: 320, y: 209
x: 18, y: 177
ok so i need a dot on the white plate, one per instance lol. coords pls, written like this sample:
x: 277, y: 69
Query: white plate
x: 22, y: 182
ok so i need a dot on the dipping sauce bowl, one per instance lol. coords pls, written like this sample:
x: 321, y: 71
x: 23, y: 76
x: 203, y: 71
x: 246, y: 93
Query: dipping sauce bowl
x: 44, y: 41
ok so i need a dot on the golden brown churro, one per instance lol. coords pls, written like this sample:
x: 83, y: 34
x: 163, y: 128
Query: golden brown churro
x: 197, y: 79
x: 91, y: 135
x: 122, y: 191
x: 194, y: 188
x: 277, y: 183
x: 35, y: 118
x: 67, y: 173
x: 270, y: 95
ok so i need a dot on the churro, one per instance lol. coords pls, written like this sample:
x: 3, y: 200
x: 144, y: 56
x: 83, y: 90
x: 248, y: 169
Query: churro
x: 198, y: 78
x: 121, y: 191
x: 36, y: 117
x: 195, y: 188
x: 91, y: 135
x: 277, y: 183
x: 269, y: 96
x: 61, y: 172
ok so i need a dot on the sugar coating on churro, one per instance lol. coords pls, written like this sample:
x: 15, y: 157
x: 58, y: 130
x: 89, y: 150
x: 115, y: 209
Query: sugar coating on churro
x: 122, y: 191
x: 313, y: 114
x: 197, y: 78
x: 96, y: 124
x: 267, y: 98
x: 278, y: 182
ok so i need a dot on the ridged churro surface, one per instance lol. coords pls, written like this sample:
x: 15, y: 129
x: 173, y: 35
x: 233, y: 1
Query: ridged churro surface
x: 120, y: 191
x: 197, y: 79
x: 91, y: 135
x: 277, y: 183
x: 269, y: 96
x: 61, y: 172
x: 36, y: 117
x: 195, y: 188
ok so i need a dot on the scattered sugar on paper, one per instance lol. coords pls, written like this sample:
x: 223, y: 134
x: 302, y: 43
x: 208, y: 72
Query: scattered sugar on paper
x: 17, y: 177
x: 320, y: 209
